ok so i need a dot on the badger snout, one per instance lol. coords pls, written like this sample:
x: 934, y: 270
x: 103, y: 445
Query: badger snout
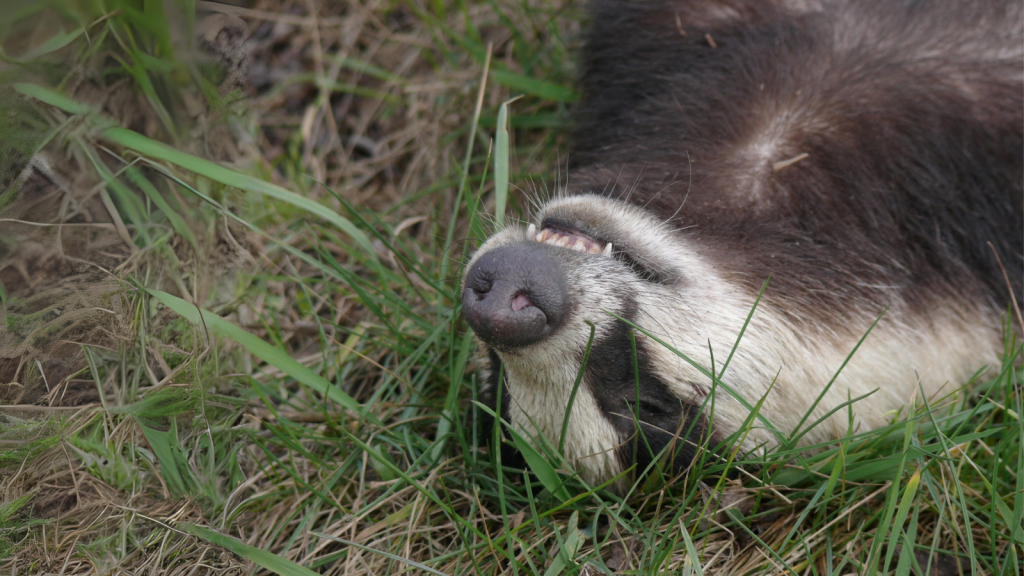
x: 515, y: 295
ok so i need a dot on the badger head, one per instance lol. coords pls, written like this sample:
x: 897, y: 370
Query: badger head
x: 592, y: 265
x: 536, y: 296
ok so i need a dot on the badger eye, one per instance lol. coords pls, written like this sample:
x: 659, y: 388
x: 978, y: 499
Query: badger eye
x: 643, y: 270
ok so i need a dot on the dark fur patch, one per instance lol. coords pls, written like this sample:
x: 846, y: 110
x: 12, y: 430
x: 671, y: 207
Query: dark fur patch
x: 914, y: 143
x: 646, y: 415
x: 489, y: 397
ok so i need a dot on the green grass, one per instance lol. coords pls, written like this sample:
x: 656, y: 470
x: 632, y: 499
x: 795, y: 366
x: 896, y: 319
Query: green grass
x: 318, y: 414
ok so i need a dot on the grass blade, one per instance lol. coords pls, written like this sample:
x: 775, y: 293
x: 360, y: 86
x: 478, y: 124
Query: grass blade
x: 691, y: 551
x: 265, y: 559
x: 575, y: 389
x: 444, y: 423
x: 11, y: 508
x: 394, y: 557
x: 174, y: 468
x: 533, y: 86
x: 257, y: 347
x: 797, y: 433
x: 218, y: 173
x: 543, y: 469
x: 501, y: 166
x: 568, y: 549
x: 901, y: 517
x: 54, y: 43
x: 177, y: 222
x: 743, y: 329
x: 52, y: 98
x: 450, y: 235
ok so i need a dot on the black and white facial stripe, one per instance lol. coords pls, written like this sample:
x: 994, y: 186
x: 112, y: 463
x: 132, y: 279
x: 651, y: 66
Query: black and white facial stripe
x: 835, y: 146
x: 653, y: 421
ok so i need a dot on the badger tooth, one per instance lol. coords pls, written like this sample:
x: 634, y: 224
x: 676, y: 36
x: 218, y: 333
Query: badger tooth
x: 562, y: 241
x: 607, y: 249
x: 531, y: 232
x: 543, y: 236
x: 580, y: 245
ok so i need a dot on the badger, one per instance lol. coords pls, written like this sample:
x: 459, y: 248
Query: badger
x: 864, y: 157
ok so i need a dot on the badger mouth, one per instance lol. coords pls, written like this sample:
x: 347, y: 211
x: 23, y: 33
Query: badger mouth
x: 571, y: 239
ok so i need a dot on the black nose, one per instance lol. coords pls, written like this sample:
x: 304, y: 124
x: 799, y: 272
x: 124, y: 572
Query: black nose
x: 515, y: 295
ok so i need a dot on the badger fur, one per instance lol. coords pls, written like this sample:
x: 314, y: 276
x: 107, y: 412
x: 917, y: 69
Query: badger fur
x: 866, y: 155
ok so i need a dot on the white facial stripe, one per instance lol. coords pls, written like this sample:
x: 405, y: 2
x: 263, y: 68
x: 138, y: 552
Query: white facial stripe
x: 540, y: 388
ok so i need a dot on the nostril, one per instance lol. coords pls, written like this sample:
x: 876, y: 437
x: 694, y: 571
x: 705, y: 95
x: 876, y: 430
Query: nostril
x: 520, y: 301
x: 481, y: 288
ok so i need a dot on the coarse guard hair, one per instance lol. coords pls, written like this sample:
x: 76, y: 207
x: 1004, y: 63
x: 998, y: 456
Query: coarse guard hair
x: 864, y: 155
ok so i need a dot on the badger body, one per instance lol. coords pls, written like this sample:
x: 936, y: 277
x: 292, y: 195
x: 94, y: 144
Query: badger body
x: 864, y: 155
